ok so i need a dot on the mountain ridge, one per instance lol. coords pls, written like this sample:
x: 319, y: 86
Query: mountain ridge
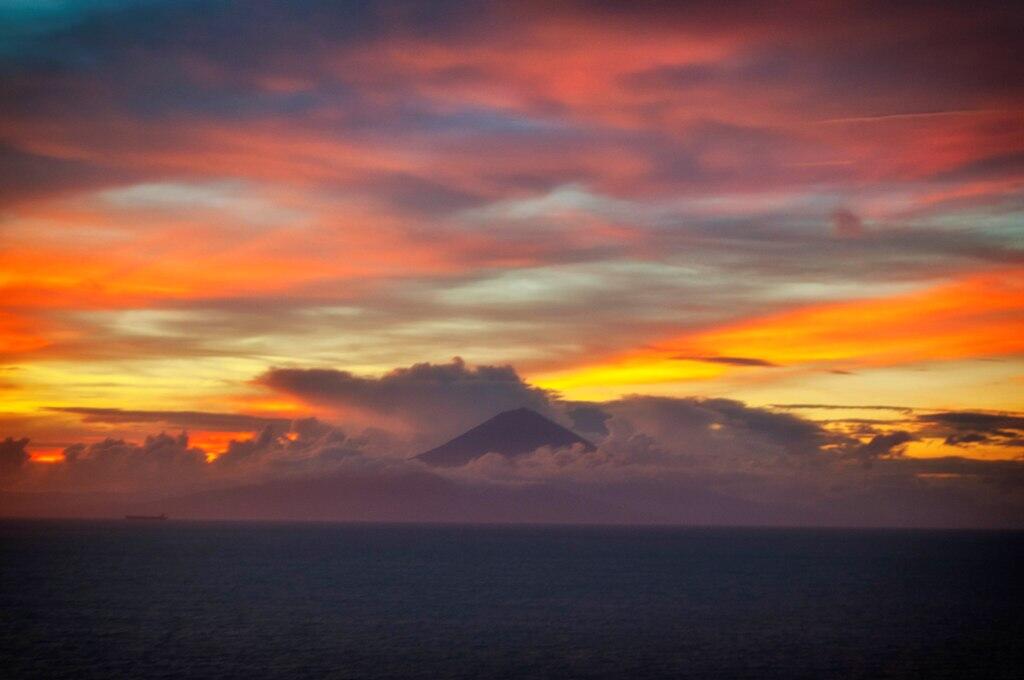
x: 511, y: 433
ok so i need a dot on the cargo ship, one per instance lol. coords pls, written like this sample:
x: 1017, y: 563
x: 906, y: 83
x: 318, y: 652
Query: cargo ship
x: 151, y: 517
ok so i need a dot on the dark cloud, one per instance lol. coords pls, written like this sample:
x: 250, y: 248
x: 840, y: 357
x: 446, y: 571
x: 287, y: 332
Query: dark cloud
x: 167, y: 464
x: 588, y: 419
x: 226, y: 422
x: 968, y: 428
x: 439, y: 400
x: 975, y: 421
x: 13, y: 456
x: 312, y: 446
x: 953, y: 428
x: 162, y: 462
x: 848, y: 407
x: 967, y: 438
x: 720, y: 432
x: 730, y: 361
x: 239, y: 452
x: 882, y: 446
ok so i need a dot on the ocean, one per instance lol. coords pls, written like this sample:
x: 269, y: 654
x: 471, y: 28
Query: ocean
x: 125, y: 599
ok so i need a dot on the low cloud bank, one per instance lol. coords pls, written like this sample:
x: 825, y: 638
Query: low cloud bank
x: 658, y: 459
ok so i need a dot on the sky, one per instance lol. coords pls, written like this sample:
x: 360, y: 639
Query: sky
x: 716, y: 237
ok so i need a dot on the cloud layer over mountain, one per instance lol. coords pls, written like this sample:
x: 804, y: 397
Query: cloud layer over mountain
x: 657, y: 459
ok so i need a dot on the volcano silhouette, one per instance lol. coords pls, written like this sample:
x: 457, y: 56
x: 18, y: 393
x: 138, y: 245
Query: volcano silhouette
x: 510, y: 433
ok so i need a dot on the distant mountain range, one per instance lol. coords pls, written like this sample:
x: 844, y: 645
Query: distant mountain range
x: 510, y: 433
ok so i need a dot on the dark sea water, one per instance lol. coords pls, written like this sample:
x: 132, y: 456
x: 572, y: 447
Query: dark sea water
x: 173, y: 599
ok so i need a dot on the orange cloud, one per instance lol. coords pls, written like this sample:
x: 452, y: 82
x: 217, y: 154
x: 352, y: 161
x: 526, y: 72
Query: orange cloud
x: 973, y: 317
x: 979, y: 316
x: 17, y: 334
x: 100, y: 258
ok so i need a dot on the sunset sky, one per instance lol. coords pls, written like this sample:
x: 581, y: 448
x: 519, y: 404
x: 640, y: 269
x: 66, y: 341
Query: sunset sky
x: 790, y: 207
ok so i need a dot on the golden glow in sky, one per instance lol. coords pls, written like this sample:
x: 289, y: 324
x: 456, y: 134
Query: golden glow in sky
x: 613, y: 201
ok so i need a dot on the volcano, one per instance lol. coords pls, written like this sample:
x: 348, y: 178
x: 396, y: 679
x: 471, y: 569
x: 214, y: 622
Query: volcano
x: 510, y: 433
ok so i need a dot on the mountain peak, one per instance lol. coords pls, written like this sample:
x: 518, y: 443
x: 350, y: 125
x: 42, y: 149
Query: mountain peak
x: 510, y: 433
